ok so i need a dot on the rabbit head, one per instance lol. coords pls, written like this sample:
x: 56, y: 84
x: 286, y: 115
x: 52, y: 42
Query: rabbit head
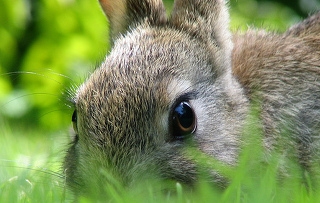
x: 165, y: 84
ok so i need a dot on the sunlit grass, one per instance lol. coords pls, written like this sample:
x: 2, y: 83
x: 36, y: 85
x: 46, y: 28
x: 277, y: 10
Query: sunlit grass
x: 30, y: 171
x: 30, y: 165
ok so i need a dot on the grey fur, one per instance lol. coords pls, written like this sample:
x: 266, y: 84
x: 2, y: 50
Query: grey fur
x: 124, y: 107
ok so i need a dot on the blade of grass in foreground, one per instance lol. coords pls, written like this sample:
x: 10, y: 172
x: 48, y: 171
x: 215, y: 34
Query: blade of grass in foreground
x: 30, y: 172
x: 30, y: 166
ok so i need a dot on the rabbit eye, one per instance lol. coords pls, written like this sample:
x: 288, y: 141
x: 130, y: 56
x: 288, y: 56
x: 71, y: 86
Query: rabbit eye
x: 184, y: 120
x: 74, y: 121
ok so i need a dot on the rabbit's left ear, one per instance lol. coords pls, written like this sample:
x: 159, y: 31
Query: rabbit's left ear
x: 125, y: 13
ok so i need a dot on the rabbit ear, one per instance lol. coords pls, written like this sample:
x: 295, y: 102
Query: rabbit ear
x: 125, y: 13
x: 207, y: 20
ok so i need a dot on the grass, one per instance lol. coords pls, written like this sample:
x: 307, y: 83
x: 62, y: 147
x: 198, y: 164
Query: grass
x: 30, y: 171
x: 30, y: 165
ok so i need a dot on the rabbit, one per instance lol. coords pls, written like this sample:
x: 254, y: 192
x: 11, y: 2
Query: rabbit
x: 186, y: 80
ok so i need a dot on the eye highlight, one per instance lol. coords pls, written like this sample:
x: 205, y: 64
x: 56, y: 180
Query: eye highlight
x: 183, y: 120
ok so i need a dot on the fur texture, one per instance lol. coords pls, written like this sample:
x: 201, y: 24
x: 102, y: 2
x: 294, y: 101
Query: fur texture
x: 124, y: 108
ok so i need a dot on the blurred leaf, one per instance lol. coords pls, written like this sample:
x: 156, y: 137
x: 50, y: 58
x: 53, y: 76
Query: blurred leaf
x: 47, y: 42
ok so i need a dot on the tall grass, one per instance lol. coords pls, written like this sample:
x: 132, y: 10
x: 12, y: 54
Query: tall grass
x: 30, y: 171
x: 30, y: 165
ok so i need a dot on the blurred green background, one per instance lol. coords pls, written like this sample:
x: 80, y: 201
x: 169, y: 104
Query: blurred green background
x: 50, y: 46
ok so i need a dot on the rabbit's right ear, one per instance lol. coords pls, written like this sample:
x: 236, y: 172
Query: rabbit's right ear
x: 209, y: 21
x: 125, y: 13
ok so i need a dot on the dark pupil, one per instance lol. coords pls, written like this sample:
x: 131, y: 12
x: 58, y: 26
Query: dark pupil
x: 184, y: 115
x: 74, y: 116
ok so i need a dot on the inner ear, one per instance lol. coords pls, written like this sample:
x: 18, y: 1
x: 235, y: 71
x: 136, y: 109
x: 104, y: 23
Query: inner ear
x: 123, y: 14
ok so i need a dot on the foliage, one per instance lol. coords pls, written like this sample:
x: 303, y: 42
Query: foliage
x: 26, y: 180
x: 46, y: 46
x: 50, y: 46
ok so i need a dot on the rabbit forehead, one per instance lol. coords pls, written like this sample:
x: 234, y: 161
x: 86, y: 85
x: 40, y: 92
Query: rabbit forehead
x: 157, y: 49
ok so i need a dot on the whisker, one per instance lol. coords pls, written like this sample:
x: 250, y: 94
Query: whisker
x: 42, y: 170
x: 70, y: 94
x: 31, y: 94
x: 56, y: 110
x: 62, y: 75
x: 70, y: 91
x: 38, y: 74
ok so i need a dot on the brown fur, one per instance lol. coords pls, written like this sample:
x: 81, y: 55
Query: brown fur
x: 283, y: 70
x: 123, y: 109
